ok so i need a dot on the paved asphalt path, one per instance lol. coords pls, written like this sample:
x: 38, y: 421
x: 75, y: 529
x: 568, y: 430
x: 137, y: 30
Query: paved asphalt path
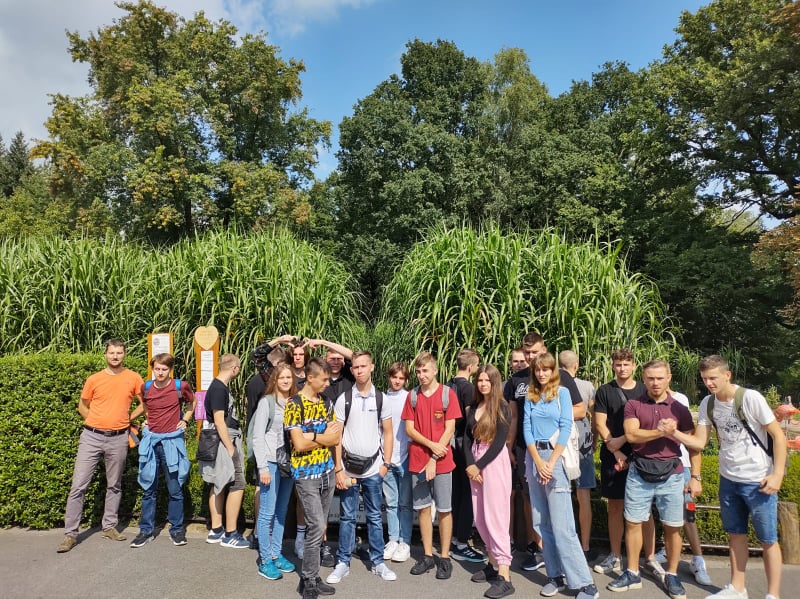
x: 99, y: 568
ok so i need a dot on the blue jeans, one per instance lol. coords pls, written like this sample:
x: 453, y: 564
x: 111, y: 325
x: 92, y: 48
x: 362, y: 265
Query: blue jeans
x: 175, y: 508
x: 272, y: 513
x: 399, y: 514
x: 347, y: 519
x: 552, y: 510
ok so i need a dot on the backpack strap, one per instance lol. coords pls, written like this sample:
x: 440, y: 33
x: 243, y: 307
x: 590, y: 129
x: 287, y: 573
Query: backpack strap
x: 445, y: 397
x: 738, y: 406
x: 348, y: 404
x: 149, y: 383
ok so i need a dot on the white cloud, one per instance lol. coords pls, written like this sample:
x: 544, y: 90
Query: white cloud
x: 33, y: 50
x: 292, y: 16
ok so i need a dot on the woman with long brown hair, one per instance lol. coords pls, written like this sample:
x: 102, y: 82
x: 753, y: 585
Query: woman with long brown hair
x: 274, y: 489
x: 489, y: 472
x: 546, y: 426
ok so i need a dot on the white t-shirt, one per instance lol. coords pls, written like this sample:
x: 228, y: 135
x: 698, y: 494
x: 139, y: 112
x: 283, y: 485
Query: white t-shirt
x: 682, y: 399
x: 397, y: 399
x: 362, y: 436
x: 740, y: 459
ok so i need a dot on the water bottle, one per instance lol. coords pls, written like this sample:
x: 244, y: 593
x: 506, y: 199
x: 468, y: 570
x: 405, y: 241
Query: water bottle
x: 689, y: 509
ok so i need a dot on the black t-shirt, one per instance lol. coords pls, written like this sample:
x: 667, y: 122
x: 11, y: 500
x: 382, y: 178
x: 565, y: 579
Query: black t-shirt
x: 465, y: 393
x: 218, y: 397
x: 341, y: 384
x: 516, y: 390
x: 607, y: 400
x: 255, y: 388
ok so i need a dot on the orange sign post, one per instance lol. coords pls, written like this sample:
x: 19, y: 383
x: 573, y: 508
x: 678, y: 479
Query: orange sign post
x: 206, y: 353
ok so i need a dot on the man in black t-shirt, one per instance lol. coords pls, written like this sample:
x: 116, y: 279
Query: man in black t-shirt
x: 609, y: 407
x: 467, y: 362
x: 221, y: 414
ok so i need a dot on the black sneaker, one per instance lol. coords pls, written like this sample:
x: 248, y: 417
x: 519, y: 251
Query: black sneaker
x: 309, y: 590
x: 534, y: 562
x: 500, y: 588
x: 253, y: 541
x: 444, y: 569
x: 178, y: 538
x: 466, y: 554
x: 423, y: 565
x: 323, y: 588
x: 142, y: 539
x: 326, y: 558
x: 487, y: 574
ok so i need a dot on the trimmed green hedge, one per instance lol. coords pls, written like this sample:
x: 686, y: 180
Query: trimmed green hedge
x: 39, y: 430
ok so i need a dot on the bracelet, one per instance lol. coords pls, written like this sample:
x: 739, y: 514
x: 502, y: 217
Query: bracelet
x: 315, y: 437
x: 338, y: 471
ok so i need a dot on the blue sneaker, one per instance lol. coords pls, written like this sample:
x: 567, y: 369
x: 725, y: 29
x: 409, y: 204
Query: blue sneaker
x: 215, y: 537
x: 270, y: 571
x: 674, y: 587
x: 284, y: 565
x: 626, y: 582
x: 234, y: 541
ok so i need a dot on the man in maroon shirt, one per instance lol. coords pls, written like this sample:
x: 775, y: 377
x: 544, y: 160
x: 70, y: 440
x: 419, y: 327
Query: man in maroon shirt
x: 656, y: 475
x: 163, y: 448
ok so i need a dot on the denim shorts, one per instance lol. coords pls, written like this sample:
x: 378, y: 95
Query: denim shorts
x: 425, y: 492
x: 667, y: 495
x: 737, y: 501
x: 588, y: 478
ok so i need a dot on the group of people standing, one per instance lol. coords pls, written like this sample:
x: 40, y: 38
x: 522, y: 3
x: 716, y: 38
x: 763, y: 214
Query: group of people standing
x: 319, y: 424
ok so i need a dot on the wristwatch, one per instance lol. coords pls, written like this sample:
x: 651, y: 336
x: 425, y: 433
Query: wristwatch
x: 697, y: 477
x: 387, y: 465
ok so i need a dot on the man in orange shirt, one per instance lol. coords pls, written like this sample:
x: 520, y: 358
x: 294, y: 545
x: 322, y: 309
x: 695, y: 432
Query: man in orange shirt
x: 104, y: 405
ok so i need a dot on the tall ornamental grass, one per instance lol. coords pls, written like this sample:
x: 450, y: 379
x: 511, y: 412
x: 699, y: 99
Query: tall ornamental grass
x: 66, y: 295
x: 485, y: 289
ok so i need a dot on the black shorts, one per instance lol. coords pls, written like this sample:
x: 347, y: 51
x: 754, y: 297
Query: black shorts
x: 612, y: 483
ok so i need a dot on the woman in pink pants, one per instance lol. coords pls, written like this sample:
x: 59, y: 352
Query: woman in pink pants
x: 489, y: 471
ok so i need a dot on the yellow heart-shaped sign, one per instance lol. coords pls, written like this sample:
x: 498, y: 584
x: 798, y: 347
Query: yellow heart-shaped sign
x: 206, y: 337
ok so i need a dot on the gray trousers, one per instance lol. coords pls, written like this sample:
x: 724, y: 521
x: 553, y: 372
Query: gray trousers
x: 91, y: 447
x: 315, y: 494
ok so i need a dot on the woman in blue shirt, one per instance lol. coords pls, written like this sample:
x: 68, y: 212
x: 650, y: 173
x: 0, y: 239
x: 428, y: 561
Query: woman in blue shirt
x: 546, y: 427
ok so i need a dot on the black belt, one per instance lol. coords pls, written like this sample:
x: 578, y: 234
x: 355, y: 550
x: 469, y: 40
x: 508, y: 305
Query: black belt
x: 543, y: 445
x: 105, y: 433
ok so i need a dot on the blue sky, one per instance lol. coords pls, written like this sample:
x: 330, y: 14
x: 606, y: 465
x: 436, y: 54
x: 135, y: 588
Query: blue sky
x: 348, y: 46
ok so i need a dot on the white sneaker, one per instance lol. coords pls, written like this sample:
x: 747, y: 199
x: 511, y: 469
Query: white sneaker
x: 656, y: 570
x: 700, y: 573
x: 389, y: 549
x: 340, y: 571
x: 611, y: 563
x: 728, y: 592
x: 384, y: 572
x: 402, y: 552
x: 661, y: 556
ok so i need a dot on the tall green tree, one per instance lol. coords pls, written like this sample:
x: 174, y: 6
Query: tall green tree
x: 733, y: 79
x: 188, y: 126
x: 15, y: 164
x: 406, y: 157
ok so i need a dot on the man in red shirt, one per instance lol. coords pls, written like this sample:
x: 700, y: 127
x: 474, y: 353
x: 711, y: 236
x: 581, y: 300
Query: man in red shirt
x: 430, y: 427
x: 163, y: 448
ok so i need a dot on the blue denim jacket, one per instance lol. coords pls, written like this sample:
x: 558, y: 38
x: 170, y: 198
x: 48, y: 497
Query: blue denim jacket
x: 174, y: 452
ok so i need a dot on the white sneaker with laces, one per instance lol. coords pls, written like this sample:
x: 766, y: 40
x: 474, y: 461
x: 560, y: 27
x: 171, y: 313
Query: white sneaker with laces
x: 402, y: 552
x: 389, y: 549
x: 728, y: 592
x: 611, y: 563
x: 699, y: 570
x: 340, y: 571
x: 656, y: 570
x: 661, y: 556
x: 384, y: 572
